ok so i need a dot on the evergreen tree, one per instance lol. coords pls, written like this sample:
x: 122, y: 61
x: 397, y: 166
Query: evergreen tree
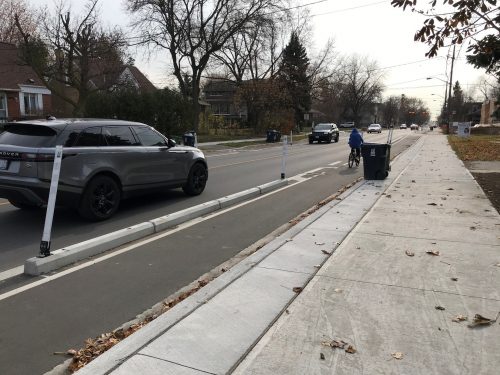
x: 457, y: 103
x: 294, y: 77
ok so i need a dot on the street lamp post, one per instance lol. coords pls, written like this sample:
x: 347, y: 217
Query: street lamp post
x: 448, y: 83
x: 445, y: 91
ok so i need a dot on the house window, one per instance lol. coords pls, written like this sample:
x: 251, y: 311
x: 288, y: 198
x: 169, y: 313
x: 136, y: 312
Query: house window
x: 221, y: 109
x: 3, y: 107
x: 32, y: 105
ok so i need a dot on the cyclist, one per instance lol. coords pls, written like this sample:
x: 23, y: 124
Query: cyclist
x: 355, y: 141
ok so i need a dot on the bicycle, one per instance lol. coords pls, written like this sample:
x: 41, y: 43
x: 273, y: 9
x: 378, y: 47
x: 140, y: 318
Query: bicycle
x: 353, y: 158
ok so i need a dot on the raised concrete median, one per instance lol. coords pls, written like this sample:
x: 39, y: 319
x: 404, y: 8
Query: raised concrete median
x: 83, y: 250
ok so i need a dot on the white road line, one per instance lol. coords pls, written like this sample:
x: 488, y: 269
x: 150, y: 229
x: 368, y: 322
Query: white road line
x: 16, y: 271
x: 335, y: 162
x: 48, y: 278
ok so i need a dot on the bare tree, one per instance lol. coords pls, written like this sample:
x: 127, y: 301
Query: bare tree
x: 192, y: 31
x: 26, y: 15
x: 74, y: 56
x: 390, y: 110
x: 413, y: 110
x: 361, y: 85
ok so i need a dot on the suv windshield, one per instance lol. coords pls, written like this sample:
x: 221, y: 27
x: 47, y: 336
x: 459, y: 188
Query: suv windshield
x: 27, y: 135
x: 322, y: 127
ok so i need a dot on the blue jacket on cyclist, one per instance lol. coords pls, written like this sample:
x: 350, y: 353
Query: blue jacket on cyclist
x: 355, y: 139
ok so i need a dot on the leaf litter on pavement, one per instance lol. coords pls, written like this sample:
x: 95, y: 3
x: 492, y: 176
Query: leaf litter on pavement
x: 480, y: 320
x: 340, y: 344
x: 96, y: 346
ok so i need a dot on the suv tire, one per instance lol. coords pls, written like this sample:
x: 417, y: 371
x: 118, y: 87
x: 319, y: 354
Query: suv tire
x: 101, y: 199
x: 197, y: 179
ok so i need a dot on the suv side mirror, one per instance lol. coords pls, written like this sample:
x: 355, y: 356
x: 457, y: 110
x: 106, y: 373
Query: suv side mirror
x: 171, y: 143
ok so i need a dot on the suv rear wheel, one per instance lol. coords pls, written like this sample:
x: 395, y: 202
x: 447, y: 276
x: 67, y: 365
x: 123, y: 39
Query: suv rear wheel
x: 100, y: 199
x: 197, y: 180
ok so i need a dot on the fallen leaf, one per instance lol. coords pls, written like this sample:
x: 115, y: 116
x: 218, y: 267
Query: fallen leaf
x: 473, y: 228
x: 337, y: 290
x: 409, y: 253
x: 319, y: 243
x: 459, y: 318
x: 480, y: 320
x: 321, y: 356
x: 335, y: 344
x: 397, y: 355
x: 317, y: 266
x: 433, y: 252
x: 450, y: 189
x: 439, y: 308
x: 287, y: 311
x: 298, y: 289
x: 388, y: 196
x: 431, y: 204
x: 413, y: 181
x: 326, y: 252
x: 454, y: 278
x: 350, y: 349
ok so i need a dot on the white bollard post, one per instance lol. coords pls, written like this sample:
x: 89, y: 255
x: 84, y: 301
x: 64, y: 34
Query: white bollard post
x: 285, y: 154
x: 49, y: 216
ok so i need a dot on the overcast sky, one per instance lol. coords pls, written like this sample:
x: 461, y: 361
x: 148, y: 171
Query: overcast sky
x: 365, y: 27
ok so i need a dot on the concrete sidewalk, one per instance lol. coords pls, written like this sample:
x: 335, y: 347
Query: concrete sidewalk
x: 370, y: 294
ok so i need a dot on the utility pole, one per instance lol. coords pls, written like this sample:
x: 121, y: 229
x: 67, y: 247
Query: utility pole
x: 449, y: 90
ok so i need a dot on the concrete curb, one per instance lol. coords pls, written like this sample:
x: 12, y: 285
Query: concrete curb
x: 113, y: 358
x: 71, y: 254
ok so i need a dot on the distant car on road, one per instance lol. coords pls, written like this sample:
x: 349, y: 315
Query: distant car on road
x: 324, y: 132
x: 103, y: 162
x: 402, y: 126
x: 374, y: 128
x: 413, y: 127
x: 348, y: 124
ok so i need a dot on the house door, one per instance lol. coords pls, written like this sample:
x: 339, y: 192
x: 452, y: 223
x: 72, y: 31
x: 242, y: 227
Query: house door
x: 3, y: 107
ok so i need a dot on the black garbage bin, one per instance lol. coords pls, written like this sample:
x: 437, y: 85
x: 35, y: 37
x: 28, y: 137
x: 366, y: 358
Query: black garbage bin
x: 273, y: 135
x: 376, y: 160
x: 188, y: 139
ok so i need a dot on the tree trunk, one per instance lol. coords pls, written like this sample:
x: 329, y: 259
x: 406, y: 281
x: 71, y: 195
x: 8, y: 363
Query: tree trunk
x: 196, y: 105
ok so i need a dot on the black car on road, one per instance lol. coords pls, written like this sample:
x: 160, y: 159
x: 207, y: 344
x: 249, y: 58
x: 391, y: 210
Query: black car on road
x: 324, y: 132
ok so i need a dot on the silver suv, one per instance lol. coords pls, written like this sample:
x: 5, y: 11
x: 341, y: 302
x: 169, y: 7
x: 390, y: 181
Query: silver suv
x: 104, y: 161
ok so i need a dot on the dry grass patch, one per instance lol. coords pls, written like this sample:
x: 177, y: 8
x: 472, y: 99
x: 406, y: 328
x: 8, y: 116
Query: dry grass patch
x: 476, y: 147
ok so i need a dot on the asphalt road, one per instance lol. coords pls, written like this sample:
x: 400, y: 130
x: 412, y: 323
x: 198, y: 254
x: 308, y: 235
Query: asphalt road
x: 230, y: 171
x: 59, y: 312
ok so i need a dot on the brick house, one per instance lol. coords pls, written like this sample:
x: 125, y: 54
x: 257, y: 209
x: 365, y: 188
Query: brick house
x: 22, y: 94
x: 220, y: 95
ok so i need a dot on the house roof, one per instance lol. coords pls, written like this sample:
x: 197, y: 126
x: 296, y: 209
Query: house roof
x: 13, y: 71
x: 144, y: 84
x: 220, y: 85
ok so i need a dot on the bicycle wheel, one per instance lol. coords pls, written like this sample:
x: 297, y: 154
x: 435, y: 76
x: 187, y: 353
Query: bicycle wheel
x: 351, y: 160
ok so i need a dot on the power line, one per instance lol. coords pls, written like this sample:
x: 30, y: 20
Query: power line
x: 347, y: 9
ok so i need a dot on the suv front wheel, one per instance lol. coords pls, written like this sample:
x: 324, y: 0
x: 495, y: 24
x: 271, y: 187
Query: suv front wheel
x: 100, y: 199
x: 197, y: 180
